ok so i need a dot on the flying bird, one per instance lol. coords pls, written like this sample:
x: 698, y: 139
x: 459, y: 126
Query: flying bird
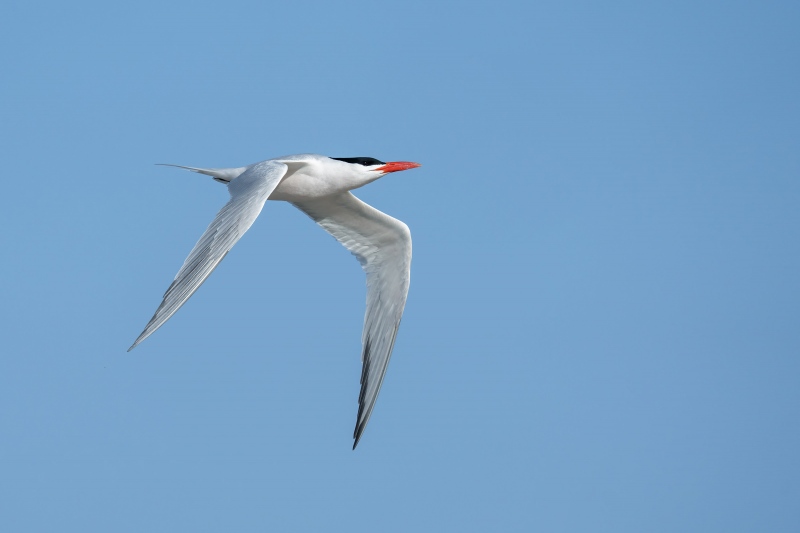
x: 320, y: 187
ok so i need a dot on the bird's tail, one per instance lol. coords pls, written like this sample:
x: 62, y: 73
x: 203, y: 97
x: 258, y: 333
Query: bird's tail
x: 223, y: 175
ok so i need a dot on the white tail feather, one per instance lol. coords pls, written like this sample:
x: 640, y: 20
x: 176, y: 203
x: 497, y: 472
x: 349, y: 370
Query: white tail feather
x: 223, y: 175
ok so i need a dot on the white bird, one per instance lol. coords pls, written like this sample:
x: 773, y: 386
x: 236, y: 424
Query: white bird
x: 320, y: 187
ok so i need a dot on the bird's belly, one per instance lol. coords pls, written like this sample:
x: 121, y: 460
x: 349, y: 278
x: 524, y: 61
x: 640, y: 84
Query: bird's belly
x: 299, y: 186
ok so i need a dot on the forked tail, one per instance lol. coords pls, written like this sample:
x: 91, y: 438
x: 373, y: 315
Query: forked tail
x: 223, y: 175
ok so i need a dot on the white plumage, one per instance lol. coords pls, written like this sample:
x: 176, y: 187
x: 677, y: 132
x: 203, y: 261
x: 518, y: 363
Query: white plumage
x: 320, y: 187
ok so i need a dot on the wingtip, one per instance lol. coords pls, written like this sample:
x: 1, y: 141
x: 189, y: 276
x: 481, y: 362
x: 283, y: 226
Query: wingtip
x: 357, y: 435
x: 136, y: 342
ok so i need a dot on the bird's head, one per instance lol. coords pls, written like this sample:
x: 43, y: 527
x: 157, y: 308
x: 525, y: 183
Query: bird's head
x: 355, y: 172
x: 374, y: 167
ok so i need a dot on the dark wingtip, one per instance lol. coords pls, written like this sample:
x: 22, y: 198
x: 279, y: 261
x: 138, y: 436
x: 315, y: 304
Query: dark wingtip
x: 357, y: 433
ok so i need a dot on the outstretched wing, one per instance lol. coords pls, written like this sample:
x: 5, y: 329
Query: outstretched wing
x: 382, y: 245
x: 248, y: 193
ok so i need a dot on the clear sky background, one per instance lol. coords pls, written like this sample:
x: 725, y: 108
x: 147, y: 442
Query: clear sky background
x: 603, y: 327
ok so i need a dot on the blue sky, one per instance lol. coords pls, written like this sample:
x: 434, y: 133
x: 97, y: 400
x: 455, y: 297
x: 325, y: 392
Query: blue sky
x: 602, y: 332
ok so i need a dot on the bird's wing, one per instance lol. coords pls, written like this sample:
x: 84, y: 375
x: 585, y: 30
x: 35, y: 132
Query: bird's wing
x: 248, y: 193
x: 382, y: 245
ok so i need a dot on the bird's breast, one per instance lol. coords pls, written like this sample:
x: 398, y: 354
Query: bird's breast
x: 299, y: 186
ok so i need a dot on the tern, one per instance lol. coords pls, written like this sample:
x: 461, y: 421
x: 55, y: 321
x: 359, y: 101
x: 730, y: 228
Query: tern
x: 319, y: 186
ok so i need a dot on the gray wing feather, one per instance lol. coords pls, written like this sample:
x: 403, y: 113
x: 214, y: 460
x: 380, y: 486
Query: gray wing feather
x: 382, y: 245
x: 248, y: 193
